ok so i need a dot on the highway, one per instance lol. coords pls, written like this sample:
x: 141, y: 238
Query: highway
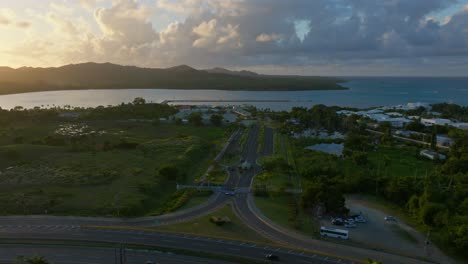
x: 179, y: 241
x: 96, y: 255
x: 308, y: 250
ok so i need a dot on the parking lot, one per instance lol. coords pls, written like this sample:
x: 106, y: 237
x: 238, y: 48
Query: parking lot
x: 391, y: 236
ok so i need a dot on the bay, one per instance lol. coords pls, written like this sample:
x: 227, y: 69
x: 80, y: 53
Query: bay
x: 363, y: 92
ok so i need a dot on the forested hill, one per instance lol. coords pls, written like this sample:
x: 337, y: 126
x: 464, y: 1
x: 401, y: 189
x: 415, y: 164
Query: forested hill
x: 112, y: 76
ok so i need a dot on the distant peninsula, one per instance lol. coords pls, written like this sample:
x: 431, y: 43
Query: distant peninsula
x: 111, y: 76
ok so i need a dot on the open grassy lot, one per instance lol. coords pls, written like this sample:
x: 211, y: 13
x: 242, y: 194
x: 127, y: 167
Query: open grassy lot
x: 235, y: 229
x: 400, y: 161
x: 108, y: 168
x: 277, y: 209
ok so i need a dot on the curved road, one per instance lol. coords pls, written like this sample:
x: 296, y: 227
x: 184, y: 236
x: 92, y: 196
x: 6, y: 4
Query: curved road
x: 69, y: 228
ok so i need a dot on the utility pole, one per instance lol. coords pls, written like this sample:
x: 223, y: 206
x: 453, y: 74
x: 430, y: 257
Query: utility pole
x: 426, y: 242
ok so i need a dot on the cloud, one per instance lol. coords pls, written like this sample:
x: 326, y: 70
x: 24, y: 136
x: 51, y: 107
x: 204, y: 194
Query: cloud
x: 238, y: 33
x: 9, y: 18
x: 267, y: 38
x: 23, y: 24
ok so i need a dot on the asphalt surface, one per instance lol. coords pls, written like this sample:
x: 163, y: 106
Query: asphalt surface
x: 215, y: 202
x: 68, y: 228
x: 96, y: 255
x: 245, y: 208
x: 193, y: 243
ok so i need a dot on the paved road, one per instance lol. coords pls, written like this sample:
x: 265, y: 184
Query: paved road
x: 69, y: 227
x: 94, y: 255
x: 193, y: 243
x: 245, y: 208
x: 215, y: 202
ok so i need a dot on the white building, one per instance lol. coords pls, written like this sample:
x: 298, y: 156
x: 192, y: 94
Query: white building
x: 463, y: 126
x: 432, y: 155
x: 435, y: 121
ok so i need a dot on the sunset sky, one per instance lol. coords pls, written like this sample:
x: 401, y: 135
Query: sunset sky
x: 312, y: 37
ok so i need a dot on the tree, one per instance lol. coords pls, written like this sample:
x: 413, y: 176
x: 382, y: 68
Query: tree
x: 178, y: 121
x: 139, y: 101
x: 195, y: 118
x: 216, y: 120
x: 169, y: 173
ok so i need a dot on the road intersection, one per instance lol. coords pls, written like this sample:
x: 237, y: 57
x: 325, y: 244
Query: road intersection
x: 295, y: 248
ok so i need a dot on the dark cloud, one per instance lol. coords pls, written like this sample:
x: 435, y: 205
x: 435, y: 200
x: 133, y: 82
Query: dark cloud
x: 262, y: 32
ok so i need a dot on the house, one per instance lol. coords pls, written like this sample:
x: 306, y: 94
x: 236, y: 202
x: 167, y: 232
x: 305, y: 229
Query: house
x: 463, y: 126
x: 345, y: 112
x: 432, y: 155
x: 229, y: 117
x: 435, y: 121
x: 444, y: 141
x: 241, y: 111
x: 394, y: 114
x: 414, y: 117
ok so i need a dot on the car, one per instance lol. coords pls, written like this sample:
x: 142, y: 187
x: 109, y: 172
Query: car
x: 272, y: 257
x: 360, y: 219
x: 230, y: 193
x: 337, y: 221
x: 390, y: 218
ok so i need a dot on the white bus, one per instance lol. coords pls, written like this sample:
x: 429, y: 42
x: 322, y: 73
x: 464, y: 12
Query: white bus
x: 331, y: 232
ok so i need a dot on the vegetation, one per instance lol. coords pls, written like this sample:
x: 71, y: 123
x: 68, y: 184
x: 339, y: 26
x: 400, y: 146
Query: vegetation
x: 32, y: 260
x: 204, y: 226
x: 433, y: 193
x: 452, y: 111
x: 110, y: 76
x: 109, y: 161
x: 261, y: 138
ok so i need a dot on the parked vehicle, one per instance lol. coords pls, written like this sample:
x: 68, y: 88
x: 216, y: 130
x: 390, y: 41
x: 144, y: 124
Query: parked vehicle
x: 390, y: 218
x: 360, y: 219
x: 331, y: 232
x: 337, y: 221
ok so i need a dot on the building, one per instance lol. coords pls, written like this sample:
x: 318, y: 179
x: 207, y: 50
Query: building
x: 241, y: 112
x: 444, y: 141
x: 432, y: 155
x: 229, y: 117
x: 435, y: 121
x: 463, y: 126
x: 395, y: 114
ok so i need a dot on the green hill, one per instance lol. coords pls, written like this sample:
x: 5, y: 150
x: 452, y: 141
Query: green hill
x: 112, y: 76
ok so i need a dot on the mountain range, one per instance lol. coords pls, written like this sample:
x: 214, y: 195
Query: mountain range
x: 111, y: 76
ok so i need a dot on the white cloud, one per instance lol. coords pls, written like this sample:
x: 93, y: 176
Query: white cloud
x: 267, y: 37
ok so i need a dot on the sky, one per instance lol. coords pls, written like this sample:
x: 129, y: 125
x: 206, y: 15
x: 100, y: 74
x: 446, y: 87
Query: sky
x: 304, y: 37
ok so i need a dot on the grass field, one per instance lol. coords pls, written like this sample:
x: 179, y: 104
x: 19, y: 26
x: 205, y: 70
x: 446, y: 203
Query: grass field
x: 202, y: 226
x: 400, y: 161
x: 107, y: 168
